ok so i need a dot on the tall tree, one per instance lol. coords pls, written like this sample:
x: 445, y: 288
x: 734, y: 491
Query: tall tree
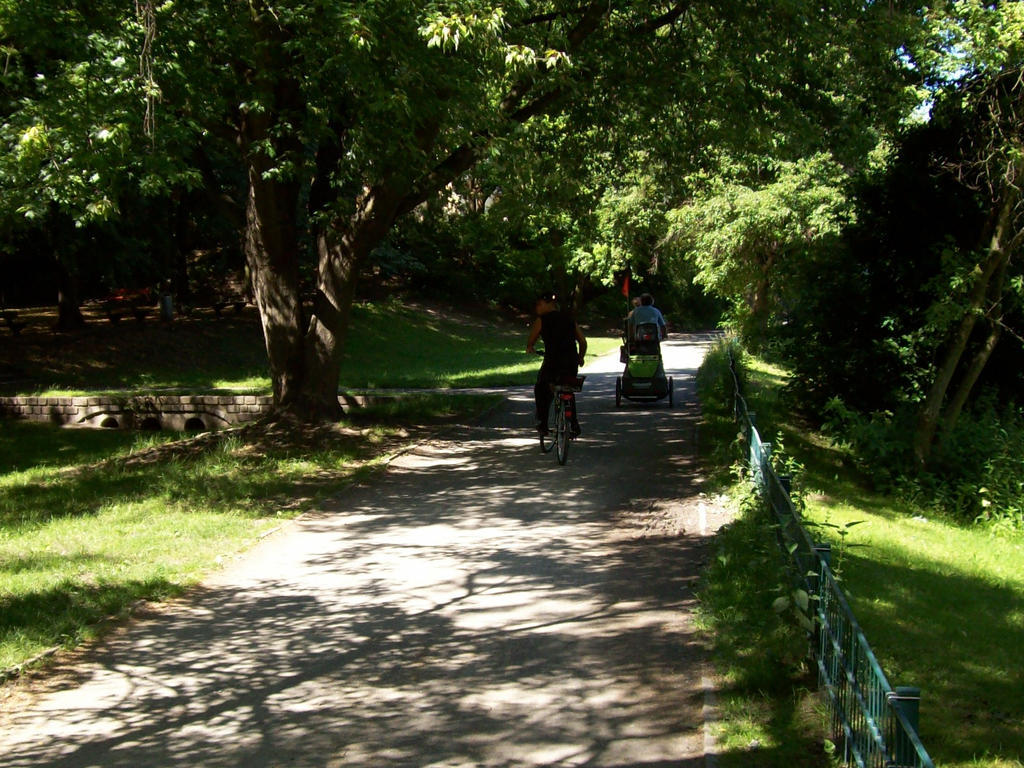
x: 980, y: 50
x: 991, y: 163
x: 56, y: 167
x: 740, y: 230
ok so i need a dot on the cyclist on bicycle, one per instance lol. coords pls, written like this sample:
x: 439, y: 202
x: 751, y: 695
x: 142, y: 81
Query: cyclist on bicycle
x: 564, y: 349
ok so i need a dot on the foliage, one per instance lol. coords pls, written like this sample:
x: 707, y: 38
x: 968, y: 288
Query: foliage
x: 770, y: 712
x: 909, y: 278
x: 335, y: 121
x: 930, y: 283
x: 899, y: 276
x: 892, y: 281
x: 715, y: 389
x: 715, y: 383
x: 740, y: 231
x: 976, y: 472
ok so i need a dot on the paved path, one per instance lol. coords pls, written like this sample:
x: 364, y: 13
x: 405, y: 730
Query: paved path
x: 477, y: 605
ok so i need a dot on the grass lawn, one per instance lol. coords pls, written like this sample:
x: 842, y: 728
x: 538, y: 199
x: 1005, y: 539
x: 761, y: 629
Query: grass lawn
x: 942, y: 604
x: 390, y: 344
x: 92, y: 521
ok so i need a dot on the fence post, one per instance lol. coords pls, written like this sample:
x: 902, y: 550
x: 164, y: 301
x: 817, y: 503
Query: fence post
x: 824, y: 551
x: 817, y: 585
x: 906, y: 700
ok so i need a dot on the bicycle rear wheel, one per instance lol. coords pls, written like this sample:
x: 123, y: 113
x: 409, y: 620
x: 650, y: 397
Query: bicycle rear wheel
x: 561, y: 433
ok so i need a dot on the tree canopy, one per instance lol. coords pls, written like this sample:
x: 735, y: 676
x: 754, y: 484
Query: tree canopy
x: 322, y: 124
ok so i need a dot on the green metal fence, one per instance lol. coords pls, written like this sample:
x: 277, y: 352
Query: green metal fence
x: 874, y: 724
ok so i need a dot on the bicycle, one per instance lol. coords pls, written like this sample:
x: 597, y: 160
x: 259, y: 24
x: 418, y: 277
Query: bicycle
x: 563, y: 432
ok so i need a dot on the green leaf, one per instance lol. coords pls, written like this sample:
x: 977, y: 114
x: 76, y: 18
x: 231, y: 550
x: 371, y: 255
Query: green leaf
x: 801, y: 599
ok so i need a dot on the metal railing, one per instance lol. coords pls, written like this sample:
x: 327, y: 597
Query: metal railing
x: 874, y: 724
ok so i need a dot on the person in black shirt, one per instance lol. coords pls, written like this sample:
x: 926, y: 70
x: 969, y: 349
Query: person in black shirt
x: 564, y: 349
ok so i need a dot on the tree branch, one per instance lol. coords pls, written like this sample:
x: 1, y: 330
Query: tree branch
x: 664, y: 20
x: 544, y: 18
x: 457, y: 163
x: 465, y: 156
x: 587, y: 25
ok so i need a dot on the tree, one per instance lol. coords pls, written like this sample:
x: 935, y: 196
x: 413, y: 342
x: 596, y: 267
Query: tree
x: 345, y: 117
x: 992, y: 164
x: 981, y: 49
x: 75, y: 129
x: 738, y: 232
x: 51, y: 168
x: 414, y: 101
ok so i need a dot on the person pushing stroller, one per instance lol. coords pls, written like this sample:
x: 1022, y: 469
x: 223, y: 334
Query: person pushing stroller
x: 644, y: 377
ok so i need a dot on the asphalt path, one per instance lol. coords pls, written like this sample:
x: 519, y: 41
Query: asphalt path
x: 475, y: 605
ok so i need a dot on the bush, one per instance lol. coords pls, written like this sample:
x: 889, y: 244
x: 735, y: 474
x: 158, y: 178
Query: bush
x: 715, y: 389
x: 715, y: 378
x: 976, y: 473
x: 880, y: 442
x: 978, y: 469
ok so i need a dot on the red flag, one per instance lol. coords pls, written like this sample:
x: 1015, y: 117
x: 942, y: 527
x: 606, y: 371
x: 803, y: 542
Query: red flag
x: 625, y: 282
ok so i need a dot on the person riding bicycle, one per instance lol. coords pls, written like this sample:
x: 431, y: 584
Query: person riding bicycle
x: 564, y: 350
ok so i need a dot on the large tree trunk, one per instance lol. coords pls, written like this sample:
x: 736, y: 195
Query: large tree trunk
x: 342, y: 250
x: 998, y: 254
x: 271, y: 241
x: 69, y: 311
x: 272, y: 255
x: 338, y: 274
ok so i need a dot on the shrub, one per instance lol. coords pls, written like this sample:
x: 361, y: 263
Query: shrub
x: 976, y: 472
x: 715, y: 390
x: 715, y: 378
x: 978, y: 468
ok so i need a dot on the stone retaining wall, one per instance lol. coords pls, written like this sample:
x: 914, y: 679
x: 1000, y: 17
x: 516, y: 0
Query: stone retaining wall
x: 197, y: 413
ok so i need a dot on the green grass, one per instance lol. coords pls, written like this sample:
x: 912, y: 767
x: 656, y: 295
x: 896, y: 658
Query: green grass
x: 942, y: 604
x: 391, y: 345
x: 769, y: 714
x: 943, y: 608
x: 394, y: 346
